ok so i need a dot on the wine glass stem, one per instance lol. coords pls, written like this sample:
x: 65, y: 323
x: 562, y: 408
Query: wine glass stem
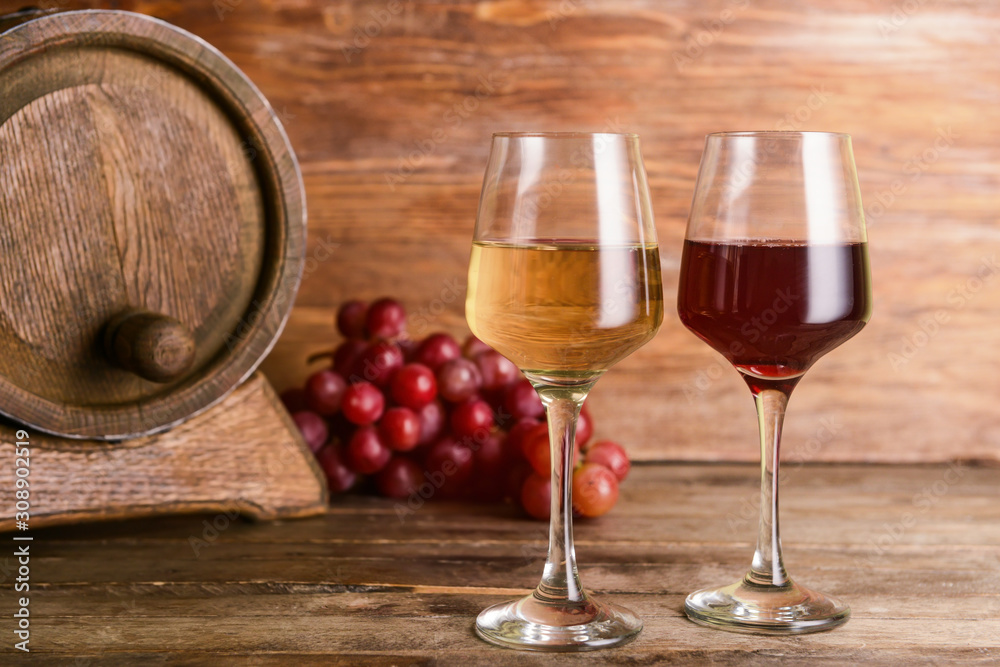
x: 767, y: 568
x: 560, y: 580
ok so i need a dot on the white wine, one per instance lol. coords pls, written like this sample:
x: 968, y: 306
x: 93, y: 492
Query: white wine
x: 561, y: 310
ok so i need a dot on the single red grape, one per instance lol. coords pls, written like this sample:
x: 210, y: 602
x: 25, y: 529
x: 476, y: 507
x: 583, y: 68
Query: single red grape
x: 489, y: 475
x: 436, y: 350
x: 536, y: 496
x: 414, y: 386
x: 400, y: 428
x: 472, y: 347
x: 584, y: 428
x: 538, y: 451
x: 312, y: 427
x: 517, y: 472
x: 339, y: 477
x: 363, y: 403
x: 612, y: 456
x: 325, y: 391
x: 472, y: 419
x: 521, y: 400
x: 432, y: 420
x: 379, y: 362
x: 351, y: 319
x: 366, y: 452
x: 294, y: 399
x: 386, y: 319
x: 345, y: 357
x: 497, y: 370
x: 452, y: 458
x: 515, y: 437
x: 595, y: 490
x: 458, y: 380
x: 490, y: 457
x: 400, y: 478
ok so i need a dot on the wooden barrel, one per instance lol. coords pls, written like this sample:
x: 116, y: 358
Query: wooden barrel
x: 152, y: 225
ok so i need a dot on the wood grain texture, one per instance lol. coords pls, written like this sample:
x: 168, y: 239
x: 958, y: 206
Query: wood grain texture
x: 362, y: 587
x: 244, y: 457
x: 141, y: 171
x: 392, y: 128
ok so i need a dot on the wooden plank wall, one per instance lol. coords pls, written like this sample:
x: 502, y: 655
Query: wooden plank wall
x: 390, y: 105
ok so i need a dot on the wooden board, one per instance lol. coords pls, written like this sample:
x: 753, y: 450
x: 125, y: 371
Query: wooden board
x: 362, y: 587
x: 244, y: 457
x: 392, y: 128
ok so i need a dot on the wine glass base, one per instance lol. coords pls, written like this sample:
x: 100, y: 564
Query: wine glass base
x: 764, y: 609
x: 533, y: 624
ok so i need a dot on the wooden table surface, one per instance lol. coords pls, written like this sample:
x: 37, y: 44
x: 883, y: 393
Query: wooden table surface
x: 915, y: 550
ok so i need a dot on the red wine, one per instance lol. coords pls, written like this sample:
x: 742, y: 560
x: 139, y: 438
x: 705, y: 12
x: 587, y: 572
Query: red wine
x: 774, y: 308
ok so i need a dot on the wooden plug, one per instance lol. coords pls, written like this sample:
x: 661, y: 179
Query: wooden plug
x: 155, y: 347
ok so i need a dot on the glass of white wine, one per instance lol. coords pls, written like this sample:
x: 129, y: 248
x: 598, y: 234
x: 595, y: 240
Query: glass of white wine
x: 565, y: 282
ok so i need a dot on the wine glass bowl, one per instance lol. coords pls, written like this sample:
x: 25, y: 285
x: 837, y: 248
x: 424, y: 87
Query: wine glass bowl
x: 564, y: 310
x: 564, y: 280
x: 774, y: 274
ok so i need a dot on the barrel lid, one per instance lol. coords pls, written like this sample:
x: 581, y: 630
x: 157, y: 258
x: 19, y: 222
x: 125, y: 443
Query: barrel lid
x: 152, y: 225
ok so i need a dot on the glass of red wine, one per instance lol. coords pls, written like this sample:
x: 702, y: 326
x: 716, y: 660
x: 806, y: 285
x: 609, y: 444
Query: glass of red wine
x: 774, y: 275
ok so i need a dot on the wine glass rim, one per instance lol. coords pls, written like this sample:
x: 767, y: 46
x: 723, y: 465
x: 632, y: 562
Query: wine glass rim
x: 778, y: 133
x: 565, y: 135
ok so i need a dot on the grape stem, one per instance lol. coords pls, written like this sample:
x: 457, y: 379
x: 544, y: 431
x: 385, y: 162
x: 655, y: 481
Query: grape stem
x: 560, y: 580
x: 326, y: 354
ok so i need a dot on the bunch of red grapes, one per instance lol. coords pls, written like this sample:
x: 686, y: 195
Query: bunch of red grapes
x: 432, y: 418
